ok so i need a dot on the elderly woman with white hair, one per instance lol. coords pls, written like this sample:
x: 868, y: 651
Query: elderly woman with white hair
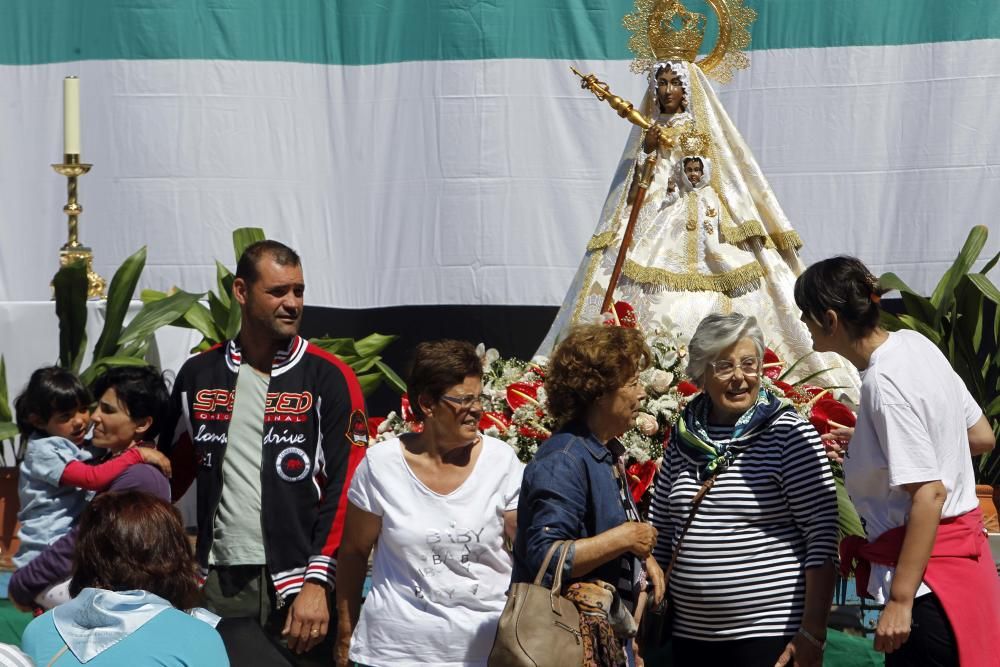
x: 746, y: 510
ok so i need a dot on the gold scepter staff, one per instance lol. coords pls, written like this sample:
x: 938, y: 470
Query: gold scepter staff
x: 631, y: 114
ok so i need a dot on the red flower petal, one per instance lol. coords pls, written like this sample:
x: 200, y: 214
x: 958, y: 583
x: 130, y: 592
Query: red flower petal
x: 687, y: 389
x: 626, y: 315
x: 640, y: 478
x: 828, y: 410
x: 373, y: 423
x: 785, y: 387
x: 404, y: 409
x: 794, y: 394
x: 773, y: 365
x: 494, y: 419
x: 529, y: 432
x: 520, y: 393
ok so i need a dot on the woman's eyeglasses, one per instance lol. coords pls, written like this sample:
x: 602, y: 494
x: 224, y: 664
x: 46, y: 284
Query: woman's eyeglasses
x: 724, y: 370
x: 465, y: 402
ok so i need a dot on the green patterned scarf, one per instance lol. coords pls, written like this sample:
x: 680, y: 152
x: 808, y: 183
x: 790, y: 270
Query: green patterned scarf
x: 691, y: 434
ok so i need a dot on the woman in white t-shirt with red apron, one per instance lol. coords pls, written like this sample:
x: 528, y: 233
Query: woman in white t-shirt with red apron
x: 440, y: 504
x: 909, y: 473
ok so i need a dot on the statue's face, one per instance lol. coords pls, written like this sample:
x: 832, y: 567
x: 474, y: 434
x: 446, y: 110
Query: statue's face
x: 669, y: 91
x: 694, y: 171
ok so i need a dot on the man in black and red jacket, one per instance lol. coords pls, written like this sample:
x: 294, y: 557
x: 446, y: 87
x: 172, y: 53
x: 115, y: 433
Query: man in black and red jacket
x: 272, y: 428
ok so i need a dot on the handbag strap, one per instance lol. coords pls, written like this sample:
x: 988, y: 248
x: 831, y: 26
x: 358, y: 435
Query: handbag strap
x: 557, y: 579
x: 695, y: 503
x: 545, y: 563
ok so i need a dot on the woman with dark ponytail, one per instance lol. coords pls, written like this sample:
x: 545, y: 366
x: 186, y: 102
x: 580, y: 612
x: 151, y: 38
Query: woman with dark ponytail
x: 909, y: 473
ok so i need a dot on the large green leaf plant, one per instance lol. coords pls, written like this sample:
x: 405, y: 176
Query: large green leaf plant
x: 955, y: 318
x: 118, y: 344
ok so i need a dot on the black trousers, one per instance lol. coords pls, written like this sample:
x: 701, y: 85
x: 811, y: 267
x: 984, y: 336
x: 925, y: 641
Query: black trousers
x: 244, y: 597
x: 932, y: 641
x: 757, y: 652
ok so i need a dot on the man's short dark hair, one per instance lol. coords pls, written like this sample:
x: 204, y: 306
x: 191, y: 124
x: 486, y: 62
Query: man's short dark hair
x: 246, y: 268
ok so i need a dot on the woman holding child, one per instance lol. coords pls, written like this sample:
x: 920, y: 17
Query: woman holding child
x: 131, y: 406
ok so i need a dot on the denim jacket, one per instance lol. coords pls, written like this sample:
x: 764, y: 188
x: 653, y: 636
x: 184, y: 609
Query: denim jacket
x: 569, y: 492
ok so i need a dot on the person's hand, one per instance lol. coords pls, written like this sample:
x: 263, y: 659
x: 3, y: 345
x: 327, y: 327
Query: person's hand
x: 655, y: 575
x: 641, y: 538
x: 652, y: 139
x: 893, y: 626
x: 836, y: 442
x: 800, y: 652
x: 308, y: 618
x: 155, y: 458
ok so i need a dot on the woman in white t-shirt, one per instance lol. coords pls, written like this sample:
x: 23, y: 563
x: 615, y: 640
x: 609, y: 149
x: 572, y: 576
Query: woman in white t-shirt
x: 909, y: 473
x: 440, y: 504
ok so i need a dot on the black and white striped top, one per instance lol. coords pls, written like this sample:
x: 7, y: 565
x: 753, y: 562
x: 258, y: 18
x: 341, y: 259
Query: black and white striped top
x: 773, y: 513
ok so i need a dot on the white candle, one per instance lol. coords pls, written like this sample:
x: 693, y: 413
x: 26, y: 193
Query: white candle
x: 71, y: 115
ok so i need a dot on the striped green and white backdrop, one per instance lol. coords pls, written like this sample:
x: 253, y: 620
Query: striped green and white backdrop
x: 425, y: 152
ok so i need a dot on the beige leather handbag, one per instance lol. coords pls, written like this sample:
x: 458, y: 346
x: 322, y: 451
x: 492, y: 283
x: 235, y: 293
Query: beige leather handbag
x: 538, y: 626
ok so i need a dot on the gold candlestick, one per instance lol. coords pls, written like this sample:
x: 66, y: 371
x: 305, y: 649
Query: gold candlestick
x: 73, y: 250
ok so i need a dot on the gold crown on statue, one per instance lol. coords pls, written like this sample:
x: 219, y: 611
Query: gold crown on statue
x: 667, y: 30
x: 674, y: 32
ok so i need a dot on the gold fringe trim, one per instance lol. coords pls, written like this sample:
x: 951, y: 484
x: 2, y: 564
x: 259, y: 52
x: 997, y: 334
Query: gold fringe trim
x: 741, y: 233
x: 737, y: 281
x: 601, y: 241
x: 789, y: 240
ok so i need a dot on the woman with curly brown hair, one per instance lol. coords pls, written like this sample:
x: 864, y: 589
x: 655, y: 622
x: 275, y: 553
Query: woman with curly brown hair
x: 134, y: 573
x: 575, y: 489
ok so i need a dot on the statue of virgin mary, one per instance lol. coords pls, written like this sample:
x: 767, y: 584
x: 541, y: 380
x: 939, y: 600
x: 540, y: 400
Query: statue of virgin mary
x: 710, y: 235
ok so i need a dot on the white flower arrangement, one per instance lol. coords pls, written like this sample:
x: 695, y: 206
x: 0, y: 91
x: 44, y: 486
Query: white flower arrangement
x: 514, y: 401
